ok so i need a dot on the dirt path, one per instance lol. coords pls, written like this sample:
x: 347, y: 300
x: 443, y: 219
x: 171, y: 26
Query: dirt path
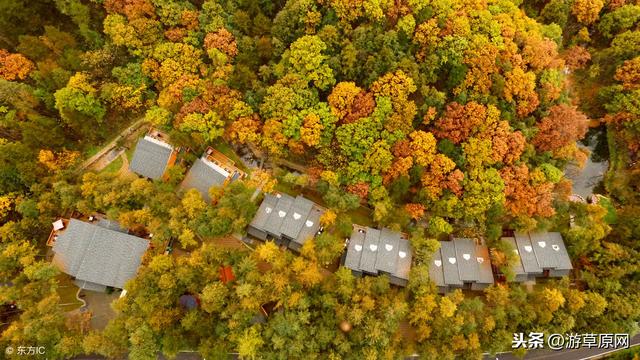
x: 124, y: 170
x: 106, y: 159
x: 110, y: 146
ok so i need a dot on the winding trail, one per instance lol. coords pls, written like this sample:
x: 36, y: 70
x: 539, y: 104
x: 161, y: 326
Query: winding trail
x: 110, y: 146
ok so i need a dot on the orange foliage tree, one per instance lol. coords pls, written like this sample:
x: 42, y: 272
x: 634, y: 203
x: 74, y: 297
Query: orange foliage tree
x: 416, y: 211
x: 459, y: 121
x: 526, y: 197
x: 629, y: 74
x: 564, y: 125
x: 222, y: 40
x: 14, y: 66
x: 576, y: 57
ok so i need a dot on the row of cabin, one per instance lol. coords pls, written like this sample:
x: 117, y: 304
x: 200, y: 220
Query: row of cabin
x: 465, y: 264
x: 375, y: 252
x: 460, y: 263
x: 289, y: 221
x: 154, y: 155
x: 99, y: 253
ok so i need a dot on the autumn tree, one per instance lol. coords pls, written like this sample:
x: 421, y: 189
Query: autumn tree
x: 520, y: 88
x: 587, y: 11
x: 14, y: 66
x: 79, y: 105
x: 307, y: 59
x: 576, y: 57
x: 562, y: 126
x: 629, y: 74
x: 459, y: 121
x: 525, y: 195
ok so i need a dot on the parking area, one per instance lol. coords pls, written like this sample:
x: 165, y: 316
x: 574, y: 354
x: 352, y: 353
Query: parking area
x: 99, y: 304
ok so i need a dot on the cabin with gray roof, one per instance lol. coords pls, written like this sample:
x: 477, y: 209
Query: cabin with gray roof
x: 461, y: 263
x: 375, y: 252
x: 212, y: 169
x: 541, y: 254
x: 153, y: 156
x: 97, y: 254
x: 287, y: 220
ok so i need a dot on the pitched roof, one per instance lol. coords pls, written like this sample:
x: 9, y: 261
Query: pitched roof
x: 546, y: 257
x: 295, y: 219
x: 150, y: 157
x: 370, y: 251
x: 99, y: 255
x: 373, y: 251
x: 484, y: 265
x: 354, y: 249
x: 111, y: 225
x: 403, y: 265
x: 466, y: 259
x: 282, y: 215
x: 527, y: 256
x: 388, y: 251
x: 277, y: 216
x: 436, y: 271
x: 461, y: 261
x: 450, y: 263
x: 557, y: 244
x: 202, y: 176
x: 311, y: 225
x: 264, y: 211
x: 539, y: 251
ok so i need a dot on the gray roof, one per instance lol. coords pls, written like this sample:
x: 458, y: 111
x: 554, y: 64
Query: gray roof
x: 111, y: 225
x: 98, y: 255
x: 296, y: 217
x: 450, y: 263
x: 282, y: 215
x: 374, y: 251
x: 466, y: 259
x: 264, y: 211
x: 354, y: 249
x: 279, y: 213
x: 403, y: 265
x: 436, y: 272
x: 461, y: 261
x: 150, y: 158
x: 527, y: 256
x: 557, y: 244
x: 202, y: 177
x: 485, y: 271
x: 370, y: 251
x: 387, y: 251
x: 311, y: 226
x: 547, y: 257
x: 518, y: 269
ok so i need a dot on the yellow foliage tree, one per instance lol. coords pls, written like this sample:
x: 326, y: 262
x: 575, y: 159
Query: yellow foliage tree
x: 58, y: 161
x: 587, y: 11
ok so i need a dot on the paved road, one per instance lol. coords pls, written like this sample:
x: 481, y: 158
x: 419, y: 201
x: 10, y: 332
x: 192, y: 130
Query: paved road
x: 577, y: 354
x: 586, y: 178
